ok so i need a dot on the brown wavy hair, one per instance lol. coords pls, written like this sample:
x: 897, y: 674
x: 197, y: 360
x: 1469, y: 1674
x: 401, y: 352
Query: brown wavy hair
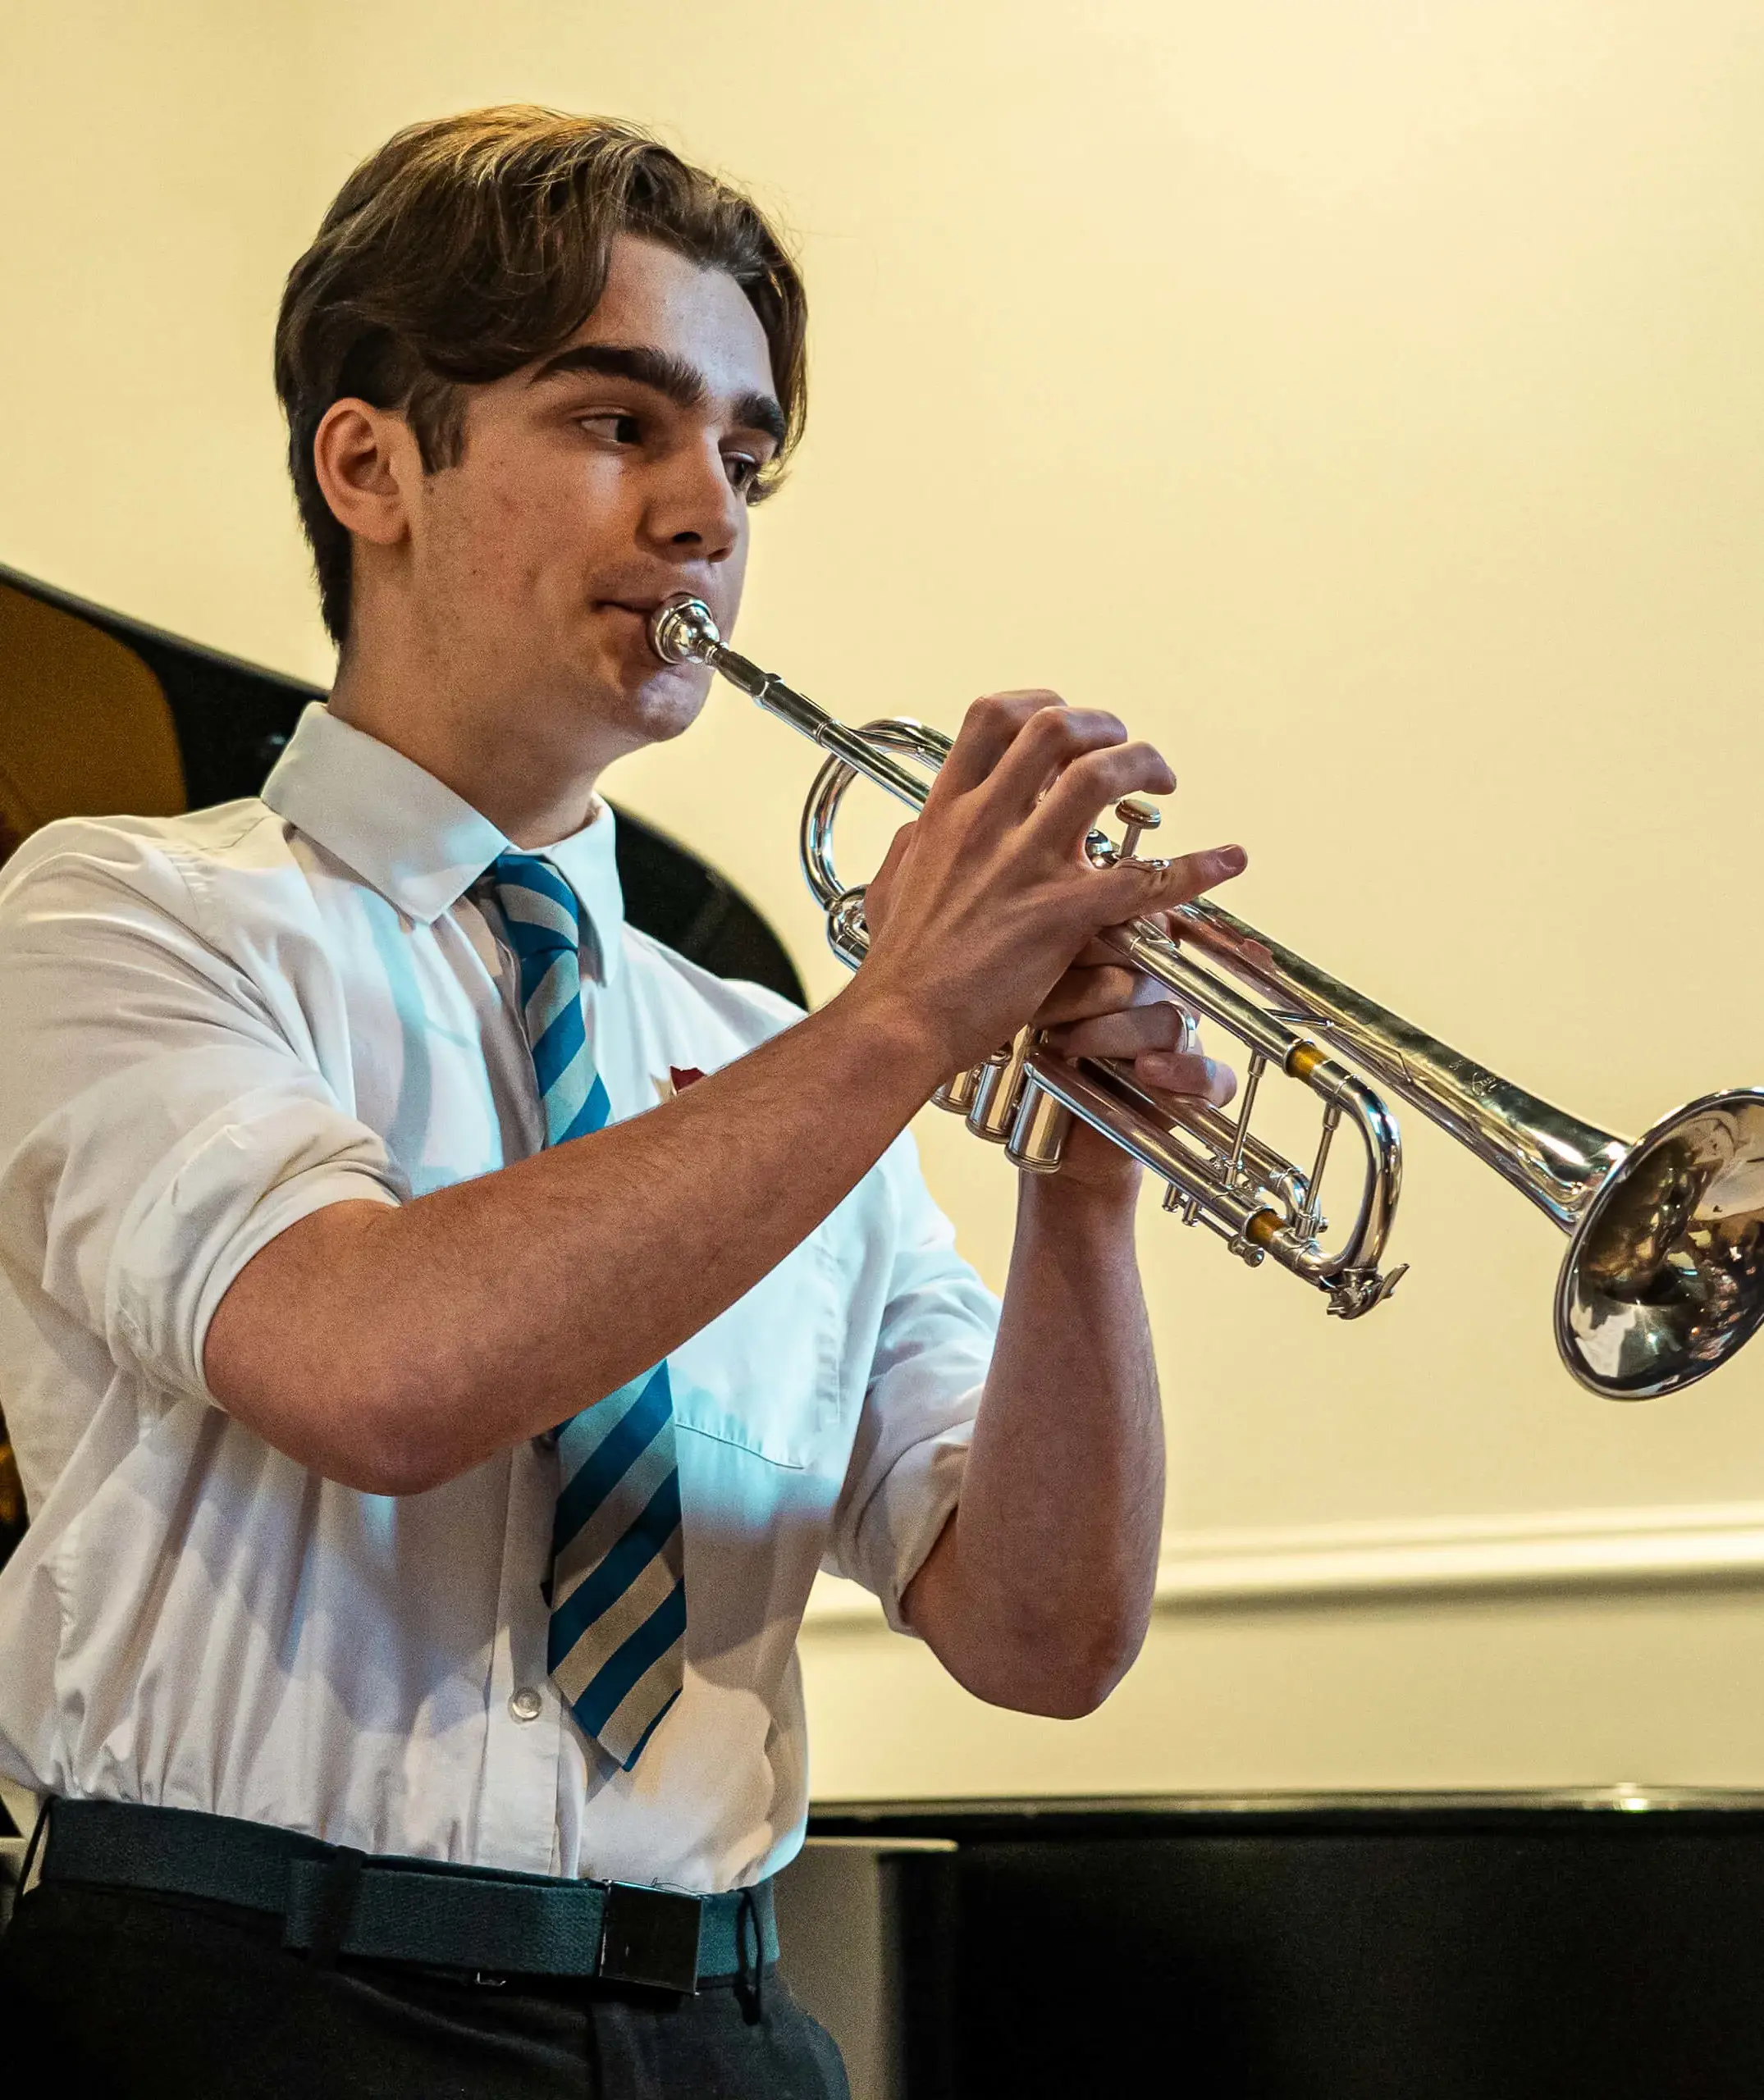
x: 468, y: 246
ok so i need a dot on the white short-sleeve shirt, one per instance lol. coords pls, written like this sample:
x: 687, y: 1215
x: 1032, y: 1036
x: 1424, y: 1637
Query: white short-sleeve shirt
x: 212, y: 1024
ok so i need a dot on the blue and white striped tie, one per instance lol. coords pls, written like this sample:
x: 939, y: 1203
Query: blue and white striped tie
x: 617, y: 1642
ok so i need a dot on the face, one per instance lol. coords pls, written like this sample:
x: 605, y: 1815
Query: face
x: 594, y: 483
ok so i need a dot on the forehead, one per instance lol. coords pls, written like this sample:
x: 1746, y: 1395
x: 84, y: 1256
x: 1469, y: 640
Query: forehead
x: 656, y: 298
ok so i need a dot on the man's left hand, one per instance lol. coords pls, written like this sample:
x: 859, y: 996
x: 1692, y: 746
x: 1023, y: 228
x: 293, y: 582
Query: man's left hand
x: 1103, y: 1008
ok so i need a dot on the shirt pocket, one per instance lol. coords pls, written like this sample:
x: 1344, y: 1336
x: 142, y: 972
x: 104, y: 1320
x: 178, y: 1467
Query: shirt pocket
x: 765, y: 1375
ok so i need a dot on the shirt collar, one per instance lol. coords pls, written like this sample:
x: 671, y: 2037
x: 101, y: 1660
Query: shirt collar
x: 410, y: 838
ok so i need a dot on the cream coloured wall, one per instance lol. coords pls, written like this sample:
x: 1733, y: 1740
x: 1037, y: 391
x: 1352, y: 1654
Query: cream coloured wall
x: 1368, y: 401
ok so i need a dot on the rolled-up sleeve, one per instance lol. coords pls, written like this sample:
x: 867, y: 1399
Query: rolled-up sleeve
x: 158, y: 1126
x: 926, y: 1373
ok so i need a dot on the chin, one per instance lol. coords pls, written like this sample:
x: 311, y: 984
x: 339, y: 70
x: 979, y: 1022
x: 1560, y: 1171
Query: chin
x: 672, y: 719
x: 664, y: 706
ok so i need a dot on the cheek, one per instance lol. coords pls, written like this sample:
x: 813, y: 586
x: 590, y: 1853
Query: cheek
x: 472, y: 540
x: 518, y: 522
x: 736, y: 566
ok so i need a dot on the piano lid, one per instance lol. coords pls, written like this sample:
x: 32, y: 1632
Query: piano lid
x: 102, y: 713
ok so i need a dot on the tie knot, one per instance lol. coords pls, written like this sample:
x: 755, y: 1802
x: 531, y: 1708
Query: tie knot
x: 540, y: 906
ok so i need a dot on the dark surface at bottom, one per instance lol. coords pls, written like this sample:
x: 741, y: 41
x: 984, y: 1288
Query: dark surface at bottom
x: 1365, y: 1968
x: 1405, y: 1956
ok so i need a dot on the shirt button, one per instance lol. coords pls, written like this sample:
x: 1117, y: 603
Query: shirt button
x: 526, y: 1705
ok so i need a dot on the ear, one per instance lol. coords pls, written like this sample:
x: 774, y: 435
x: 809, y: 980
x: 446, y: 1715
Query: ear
x: 368, y: 466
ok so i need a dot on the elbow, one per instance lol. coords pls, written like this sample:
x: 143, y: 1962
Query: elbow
x: 394, y: 1446
x: 1071, y: 1693
x: 389, y: 1441
x: 1058, y: 1677
x: 1057, y: 1657
x: 1064, y: 1702
x: 393, y: 1473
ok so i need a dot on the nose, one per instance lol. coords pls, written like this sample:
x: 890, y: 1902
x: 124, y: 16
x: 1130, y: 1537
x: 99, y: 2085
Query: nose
x: 696, y: 513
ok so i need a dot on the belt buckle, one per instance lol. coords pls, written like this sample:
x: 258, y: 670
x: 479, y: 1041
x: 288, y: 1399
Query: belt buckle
x: 650, y: 1936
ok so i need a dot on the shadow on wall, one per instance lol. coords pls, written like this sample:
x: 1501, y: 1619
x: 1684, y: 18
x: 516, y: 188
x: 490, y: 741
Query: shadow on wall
x: 100, y: 715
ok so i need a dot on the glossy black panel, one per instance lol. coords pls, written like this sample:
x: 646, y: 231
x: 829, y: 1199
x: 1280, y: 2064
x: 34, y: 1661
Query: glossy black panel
x: 1484, y: 1952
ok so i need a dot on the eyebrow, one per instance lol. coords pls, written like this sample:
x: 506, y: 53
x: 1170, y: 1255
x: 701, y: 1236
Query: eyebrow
x: 665, y: 373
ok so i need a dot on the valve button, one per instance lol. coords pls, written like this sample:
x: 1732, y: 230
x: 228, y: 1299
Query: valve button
x: 1138, y: 817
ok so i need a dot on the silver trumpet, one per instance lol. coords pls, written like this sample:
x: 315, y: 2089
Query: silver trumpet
x: 1663, y: 1278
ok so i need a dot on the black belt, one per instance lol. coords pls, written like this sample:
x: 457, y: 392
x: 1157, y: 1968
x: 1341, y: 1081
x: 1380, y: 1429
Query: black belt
x: 333, y: 1901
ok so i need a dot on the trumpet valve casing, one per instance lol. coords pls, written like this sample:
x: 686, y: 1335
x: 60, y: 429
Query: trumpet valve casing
x: 1037, y: 1143
x: 958, y: 1094
x: 992, y: 1114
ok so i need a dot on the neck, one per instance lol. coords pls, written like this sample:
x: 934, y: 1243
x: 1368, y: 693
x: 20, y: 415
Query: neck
x: 473, y: 730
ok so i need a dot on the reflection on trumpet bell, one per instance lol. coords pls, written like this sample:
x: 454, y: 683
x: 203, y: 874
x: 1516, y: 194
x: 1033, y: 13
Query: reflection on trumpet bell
x: 1663, y: 1278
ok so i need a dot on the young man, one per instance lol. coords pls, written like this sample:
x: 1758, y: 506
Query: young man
x: 431, y: 1439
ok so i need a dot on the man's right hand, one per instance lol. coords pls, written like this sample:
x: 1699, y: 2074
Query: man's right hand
x: 987, y: 898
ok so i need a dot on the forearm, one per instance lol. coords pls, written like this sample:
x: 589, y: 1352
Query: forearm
x: 393, y: 1348
x: 1038, y: 1594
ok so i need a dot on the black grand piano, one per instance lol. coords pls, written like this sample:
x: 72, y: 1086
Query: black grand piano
x: 1596, y: 1946
x: 1603, y: 1947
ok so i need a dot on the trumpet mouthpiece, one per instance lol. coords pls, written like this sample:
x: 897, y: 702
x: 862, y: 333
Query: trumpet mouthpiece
x: 682, y: 631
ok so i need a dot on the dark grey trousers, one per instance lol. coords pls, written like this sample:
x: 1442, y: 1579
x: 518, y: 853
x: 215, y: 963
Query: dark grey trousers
x: 119, y: 1993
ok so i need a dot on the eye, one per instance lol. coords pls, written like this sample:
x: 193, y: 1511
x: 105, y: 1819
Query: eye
x: 743, y: 471
x: 616, y: 425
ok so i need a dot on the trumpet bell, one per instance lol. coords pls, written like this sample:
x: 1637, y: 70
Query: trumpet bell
x: 1664, y: 1278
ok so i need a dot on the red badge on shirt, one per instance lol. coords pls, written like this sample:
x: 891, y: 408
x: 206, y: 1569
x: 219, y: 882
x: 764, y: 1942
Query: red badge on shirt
x: 679, y: 1078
